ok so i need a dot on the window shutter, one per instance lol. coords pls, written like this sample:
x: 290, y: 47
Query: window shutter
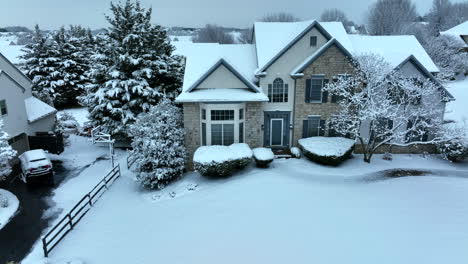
x: 305, y: 128
x: 325, y: 93
x: 270, y: 91
x: 307, y: 90
x: 322, y: 128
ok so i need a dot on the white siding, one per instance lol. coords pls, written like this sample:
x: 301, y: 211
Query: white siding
x: 222, y: 77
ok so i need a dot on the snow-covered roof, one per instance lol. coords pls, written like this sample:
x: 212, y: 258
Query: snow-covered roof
x: 201, y: 57
x: 394, y: 49
x: 12, y: 53
x: 36, y: 109
x: 457, y: 32
x: 222, y: 95
x: 273, y: 37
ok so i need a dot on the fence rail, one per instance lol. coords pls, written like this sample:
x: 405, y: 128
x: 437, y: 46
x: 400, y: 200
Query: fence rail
x: 131, y: 158
x: 70, y: 220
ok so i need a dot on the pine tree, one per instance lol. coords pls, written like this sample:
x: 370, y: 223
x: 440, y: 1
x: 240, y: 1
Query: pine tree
x: 6, y: 153
x: 158, y: 143
x: 134, y: 70
x: 40, y: 66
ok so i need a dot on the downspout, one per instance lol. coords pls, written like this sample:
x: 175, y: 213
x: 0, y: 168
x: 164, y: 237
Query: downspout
x: 293, y: 114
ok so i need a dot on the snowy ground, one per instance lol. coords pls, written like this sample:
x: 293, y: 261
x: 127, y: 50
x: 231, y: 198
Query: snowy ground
x: 7, y: 213
x: 91, y: 163
x: 457, y: 110
x: 294, y: 212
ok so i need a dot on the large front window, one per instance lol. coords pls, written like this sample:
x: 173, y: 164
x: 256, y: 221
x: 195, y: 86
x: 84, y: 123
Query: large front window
x: 278, y: 91
x: 223, y: 124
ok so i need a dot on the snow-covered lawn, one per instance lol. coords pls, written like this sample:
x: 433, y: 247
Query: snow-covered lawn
x: 457, y: 110
x: 12, y: 204
x: 89, y: 164
x: 294, y: 212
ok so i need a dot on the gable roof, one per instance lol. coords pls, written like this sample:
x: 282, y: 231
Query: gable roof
x: 273, y: 39
x: 457, y: 32
x: 2, y: 57
x: 394, y: 49
x: 223, y: 62
x: 13, y: 80
x: 297, y: 72
x: 427, y: 74
x: 36, y: 109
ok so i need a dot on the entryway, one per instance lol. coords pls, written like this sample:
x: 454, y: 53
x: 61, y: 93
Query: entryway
x: 276, y: 129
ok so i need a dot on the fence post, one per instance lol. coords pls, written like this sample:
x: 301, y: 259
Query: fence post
x: 89, y: 198
x: 44, y: 247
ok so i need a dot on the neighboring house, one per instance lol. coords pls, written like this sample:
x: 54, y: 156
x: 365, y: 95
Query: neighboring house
x: 460, y: 33
x: 23, y: 115
x: 270, y: 93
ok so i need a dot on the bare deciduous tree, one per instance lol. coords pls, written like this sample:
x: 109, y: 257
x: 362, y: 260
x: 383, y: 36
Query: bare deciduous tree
x: 379, y: 106
x: 389, y: 17
x: 279, y: 17
x: 440, y: 16
x: 334, y: 14
x: 213, y: 34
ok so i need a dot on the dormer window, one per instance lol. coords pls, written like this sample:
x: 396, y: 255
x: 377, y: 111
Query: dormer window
x: 313, y: 41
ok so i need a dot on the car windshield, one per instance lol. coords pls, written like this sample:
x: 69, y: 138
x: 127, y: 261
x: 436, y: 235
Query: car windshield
x: 36, y: 160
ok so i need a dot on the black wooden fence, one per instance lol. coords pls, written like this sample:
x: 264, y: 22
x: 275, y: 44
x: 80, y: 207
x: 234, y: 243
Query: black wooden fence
x: 53, y: 143
x: 70, y: 220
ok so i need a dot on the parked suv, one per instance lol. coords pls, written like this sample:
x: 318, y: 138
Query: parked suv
x: 36, y: 166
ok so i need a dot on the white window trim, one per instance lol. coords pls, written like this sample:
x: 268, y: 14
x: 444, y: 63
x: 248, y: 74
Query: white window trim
x: 209, y: 122
x: 271, y: 131
x: 285, y: 83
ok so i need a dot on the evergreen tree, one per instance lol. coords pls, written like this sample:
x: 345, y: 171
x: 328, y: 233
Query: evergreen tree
x: 41, y: 65
x: 158, y: 143
x: 134, y: 70
x: 6, y: 153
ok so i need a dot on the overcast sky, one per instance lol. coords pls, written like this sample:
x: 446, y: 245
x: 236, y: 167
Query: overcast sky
x: 50, y: 14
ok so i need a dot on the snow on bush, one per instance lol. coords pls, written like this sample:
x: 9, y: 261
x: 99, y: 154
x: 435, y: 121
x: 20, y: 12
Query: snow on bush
x: 454, y: 150
x: 327, y: 150
x: 296, y: 152
x: 158, y: 143
x: 66, y: 122
x: 221, y: 160
x: 6, y: 153
x: 263, y: 156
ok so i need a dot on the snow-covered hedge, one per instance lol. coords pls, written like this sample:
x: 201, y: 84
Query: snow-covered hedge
x: 221, y: 160
x: 455, y: 150
x: 327, y: 150
x: 263, y: 156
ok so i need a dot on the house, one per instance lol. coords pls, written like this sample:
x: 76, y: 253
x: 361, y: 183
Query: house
x: 460, y: 33
x: 23, y: 115
x: 269, y: 93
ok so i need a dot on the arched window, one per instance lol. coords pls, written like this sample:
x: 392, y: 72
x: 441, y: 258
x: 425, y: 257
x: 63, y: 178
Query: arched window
x: 278, y: 91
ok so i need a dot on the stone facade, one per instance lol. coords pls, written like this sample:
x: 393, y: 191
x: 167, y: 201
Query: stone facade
x: 412, y: 149
x: 331, y: 63
x: 192, y: 130
x: 253, y: 125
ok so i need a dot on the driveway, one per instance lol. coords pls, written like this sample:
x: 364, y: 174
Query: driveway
x: 20, y: 234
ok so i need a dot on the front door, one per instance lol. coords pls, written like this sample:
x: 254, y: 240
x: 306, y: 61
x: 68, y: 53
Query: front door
x: 276, y: 129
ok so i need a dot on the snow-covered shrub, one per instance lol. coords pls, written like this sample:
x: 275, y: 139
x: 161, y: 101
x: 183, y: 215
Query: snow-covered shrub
x: 221, y: 161
x: 3, y: 201
x: 263, y: 157
x: 296, y: 152
x: 158, y: 143
x: 244, y: 154
x: 6, y: 153
x: 66, y: 122
x: 327, y: 150
x: 454, y: 150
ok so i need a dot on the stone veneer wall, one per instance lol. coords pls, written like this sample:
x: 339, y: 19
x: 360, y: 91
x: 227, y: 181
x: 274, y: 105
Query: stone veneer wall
x: 253, y: 125
x: 192, y: 130
x: 332, y: 62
